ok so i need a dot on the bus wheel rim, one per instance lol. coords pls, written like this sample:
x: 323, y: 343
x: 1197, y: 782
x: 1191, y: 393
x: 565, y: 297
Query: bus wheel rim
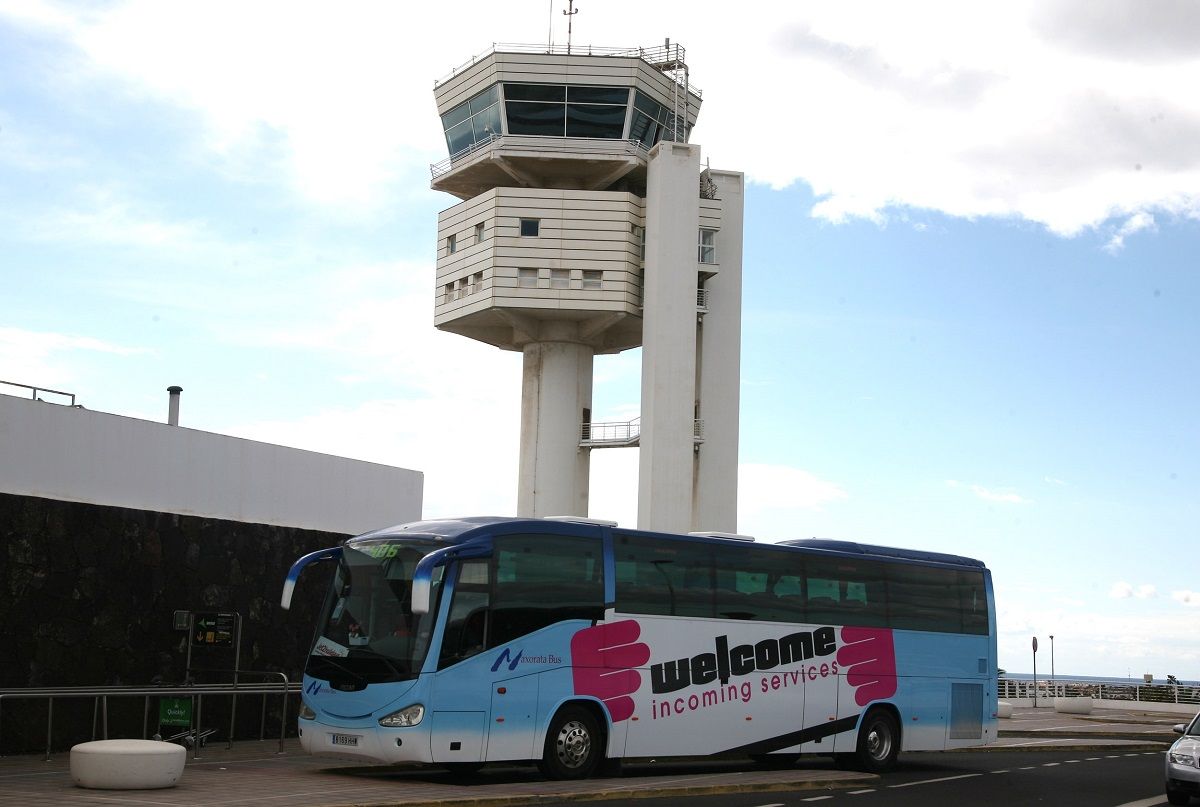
x: 573, y: 744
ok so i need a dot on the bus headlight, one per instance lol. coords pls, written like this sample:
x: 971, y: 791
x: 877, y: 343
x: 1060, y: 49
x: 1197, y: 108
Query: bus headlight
x: 408, y: 716
x: 306, y: 713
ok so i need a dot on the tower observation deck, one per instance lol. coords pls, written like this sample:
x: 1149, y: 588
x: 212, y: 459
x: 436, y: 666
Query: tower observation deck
x: 586, y: 226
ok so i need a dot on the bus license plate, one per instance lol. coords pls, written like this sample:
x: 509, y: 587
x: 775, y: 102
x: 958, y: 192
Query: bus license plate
x: 343, y: 739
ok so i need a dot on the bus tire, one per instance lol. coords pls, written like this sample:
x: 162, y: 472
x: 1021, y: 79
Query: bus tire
x: 573, y: 745
x: 878, y: 742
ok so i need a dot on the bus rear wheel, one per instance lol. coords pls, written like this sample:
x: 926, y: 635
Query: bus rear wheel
x: 878, y: 742
x: 572, y: 748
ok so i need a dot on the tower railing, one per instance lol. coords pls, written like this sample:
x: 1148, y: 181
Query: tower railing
x: 543, y: 144
x: 657, y: 56
x: 624, y: 434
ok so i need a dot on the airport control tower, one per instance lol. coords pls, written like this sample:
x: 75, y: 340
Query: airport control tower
x: 587, y: 225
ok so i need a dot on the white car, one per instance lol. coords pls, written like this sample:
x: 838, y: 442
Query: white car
x: 1183, y: 764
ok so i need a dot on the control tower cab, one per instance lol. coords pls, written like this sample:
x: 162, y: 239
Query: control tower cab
x: 587, y: 226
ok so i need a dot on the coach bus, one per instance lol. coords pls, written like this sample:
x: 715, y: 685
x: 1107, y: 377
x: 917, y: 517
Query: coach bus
x: 576, y: 644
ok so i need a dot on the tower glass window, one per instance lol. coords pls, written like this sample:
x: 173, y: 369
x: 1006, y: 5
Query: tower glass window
x: 592, y: 278
x: 560, y: 279
x: 527, y: 278
x: 451, y: 244
x: 708, y: 246
x: 479, y: 233
x: 651, y: 121
x: 473, y: 122
x: 554, y: 110
x: 530, y: 227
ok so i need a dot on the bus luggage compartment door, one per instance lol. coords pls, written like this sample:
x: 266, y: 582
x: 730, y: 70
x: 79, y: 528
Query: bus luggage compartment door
x: 514, y: 713
x: 457, y: 736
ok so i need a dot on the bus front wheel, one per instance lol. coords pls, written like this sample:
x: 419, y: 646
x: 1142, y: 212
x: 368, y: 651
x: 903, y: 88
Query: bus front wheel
x: 878, y: 742
x: 573, y: 747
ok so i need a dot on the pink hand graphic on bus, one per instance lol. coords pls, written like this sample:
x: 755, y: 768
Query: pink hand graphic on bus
x: 870, y: 657
x: 604, y: 658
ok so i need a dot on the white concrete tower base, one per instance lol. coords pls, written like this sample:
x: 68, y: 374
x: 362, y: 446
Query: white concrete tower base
x: 556, y: 388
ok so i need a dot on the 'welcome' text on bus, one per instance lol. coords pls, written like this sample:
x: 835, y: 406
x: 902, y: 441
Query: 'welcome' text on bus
x: 570, y: 642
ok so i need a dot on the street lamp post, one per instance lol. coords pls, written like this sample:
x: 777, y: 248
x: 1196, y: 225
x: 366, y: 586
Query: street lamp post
x: 1052, y: 683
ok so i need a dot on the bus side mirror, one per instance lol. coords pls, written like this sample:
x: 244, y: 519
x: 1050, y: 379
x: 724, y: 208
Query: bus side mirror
x: 289, y: 583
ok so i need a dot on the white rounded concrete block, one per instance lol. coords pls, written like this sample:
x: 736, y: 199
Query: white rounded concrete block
x: 127, y: 764
x: 1073, y: 706
x: 1004, y: 709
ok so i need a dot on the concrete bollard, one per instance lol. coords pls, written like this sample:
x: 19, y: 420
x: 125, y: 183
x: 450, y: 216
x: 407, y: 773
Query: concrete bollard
x: 1073, y: 706
x: 127, y: 764
x: 1004, y: 709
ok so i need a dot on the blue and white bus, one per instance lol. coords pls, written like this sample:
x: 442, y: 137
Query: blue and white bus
x: 571, y: 643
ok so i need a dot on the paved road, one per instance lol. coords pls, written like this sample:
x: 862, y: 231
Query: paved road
x: 1121, y: 765
x: 992, y: 779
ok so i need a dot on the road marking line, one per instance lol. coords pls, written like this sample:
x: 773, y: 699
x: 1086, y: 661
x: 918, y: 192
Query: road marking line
x: 817, y: 798
x: 1091, y: 759
x: 933, y: 781
x: 1003, y: 771
x: 1073, y: 761
x: 860, y: 792
x: 776, y: 804
x: 1028, y: 768
x: 1153, y: 801
x: 1036, y: 742
x: 1049, y: 764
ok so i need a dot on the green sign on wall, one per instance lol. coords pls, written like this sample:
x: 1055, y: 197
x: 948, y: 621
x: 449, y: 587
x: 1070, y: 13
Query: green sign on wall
x: 175, y: 711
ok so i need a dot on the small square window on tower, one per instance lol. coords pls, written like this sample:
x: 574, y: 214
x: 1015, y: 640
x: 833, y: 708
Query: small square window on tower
x: 708, y: 246
x: 451, y: 244
x: 592, y: 278
x: 530, y: 227
x: 560, y: 279
x: 479, y: 233
x: 527, y: 278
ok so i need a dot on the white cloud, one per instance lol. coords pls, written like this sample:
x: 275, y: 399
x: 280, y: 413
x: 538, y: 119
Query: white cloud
x: 1134, y: 224
x: 41, y: 358
x: 1123, y: 591
x: 1028, y: 109
x: 1186, y: 597
x: 769, y: 496
x: 987, y: 494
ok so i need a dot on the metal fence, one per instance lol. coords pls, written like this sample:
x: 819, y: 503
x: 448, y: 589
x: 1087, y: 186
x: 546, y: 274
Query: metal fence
x: 192, y: 737
x: 1114, y: 691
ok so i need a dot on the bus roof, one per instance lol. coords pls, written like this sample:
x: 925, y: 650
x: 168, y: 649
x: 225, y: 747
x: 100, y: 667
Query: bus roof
x: 458, y: 530
x: 855, y: 548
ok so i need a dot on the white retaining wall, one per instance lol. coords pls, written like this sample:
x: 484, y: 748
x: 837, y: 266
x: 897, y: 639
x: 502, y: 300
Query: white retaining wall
x: 74, y: 454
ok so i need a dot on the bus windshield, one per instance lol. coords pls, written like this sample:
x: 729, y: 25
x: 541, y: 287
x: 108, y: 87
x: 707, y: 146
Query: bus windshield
x: 369, y: 633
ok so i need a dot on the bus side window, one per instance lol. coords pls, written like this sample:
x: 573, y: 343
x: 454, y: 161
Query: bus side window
x: 467, y: 626
x: 542, y: 580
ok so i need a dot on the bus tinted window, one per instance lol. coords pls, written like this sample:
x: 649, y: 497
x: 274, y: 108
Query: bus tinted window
x: 844, y: 591
x: 543, y: 579
x: 664, y: 577
x: 973, y: 602
x: 924, y: 598
x: 467, y: 628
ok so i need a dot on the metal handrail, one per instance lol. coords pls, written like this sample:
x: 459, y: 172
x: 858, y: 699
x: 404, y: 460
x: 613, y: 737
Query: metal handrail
x: 36, y: 390
x: 595, y: 145
x: 1101, y: 690
x: 656, y: 56
x: 198, y: 691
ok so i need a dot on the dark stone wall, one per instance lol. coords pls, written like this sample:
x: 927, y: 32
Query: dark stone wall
x: 87, y: 594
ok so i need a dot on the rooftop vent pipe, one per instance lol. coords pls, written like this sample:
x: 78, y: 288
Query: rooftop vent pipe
x: 173, y: 406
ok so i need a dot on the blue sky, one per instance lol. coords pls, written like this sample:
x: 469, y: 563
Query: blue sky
x: 970, y: 280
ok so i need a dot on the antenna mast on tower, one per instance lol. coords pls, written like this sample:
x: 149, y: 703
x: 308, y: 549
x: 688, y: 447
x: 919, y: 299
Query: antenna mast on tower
x: 569, y: 14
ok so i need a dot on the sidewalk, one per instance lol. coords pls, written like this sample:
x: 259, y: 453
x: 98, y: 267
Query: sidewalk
x: 254, y: 774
